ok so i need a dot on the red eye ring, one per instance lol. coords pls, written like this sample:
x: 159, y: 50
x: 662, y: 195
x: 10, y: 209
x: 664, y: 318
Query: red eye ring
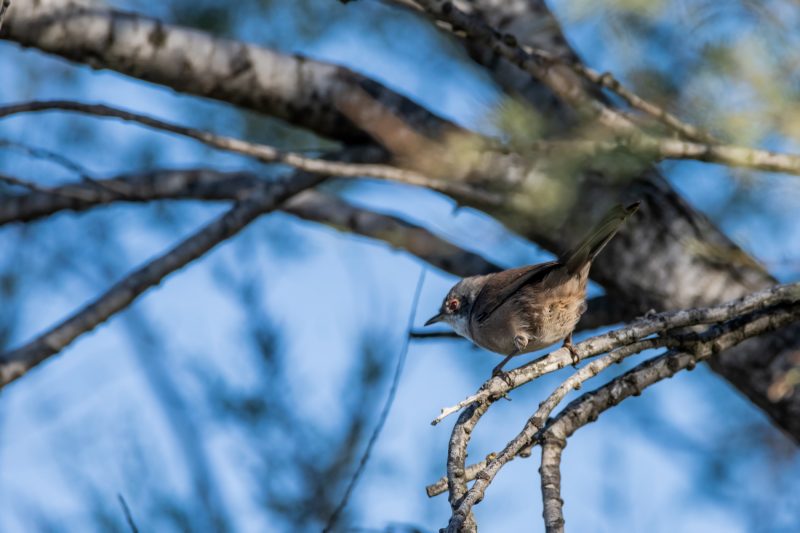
x: 452, y: 305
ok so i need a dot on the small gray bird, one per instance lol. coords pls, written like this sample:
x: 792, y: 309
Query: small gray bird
x: 524, y: 309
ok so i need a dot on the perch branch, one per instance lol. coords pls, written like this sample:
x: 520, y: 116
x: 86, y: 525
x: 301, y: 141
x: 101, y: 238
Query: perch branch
x: 690, y: 347
x: 623, y: 343
x: 498, y: 387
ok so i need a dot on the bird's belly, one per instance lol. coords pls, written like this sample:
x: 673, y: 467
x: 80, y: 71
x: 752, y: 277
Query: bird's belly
x: 543, y: 325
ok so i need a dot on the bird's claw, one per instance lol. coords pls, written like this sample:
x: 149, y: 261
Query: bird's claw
x: 499, y: 372
x: 573, y: 354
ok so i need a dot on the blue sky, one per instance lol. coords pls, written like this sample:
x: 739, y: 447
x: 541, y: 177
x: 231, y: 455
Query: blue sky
x: 90, y: 414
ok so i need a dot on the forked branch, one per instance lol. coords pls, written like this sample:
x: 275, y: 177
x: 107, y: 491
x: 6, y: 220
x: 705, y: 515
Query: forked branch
x: 17, y: 362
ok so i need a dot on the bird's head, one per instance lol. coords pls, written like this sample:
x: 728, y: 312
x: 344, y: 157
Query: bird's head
x: 457, y: 305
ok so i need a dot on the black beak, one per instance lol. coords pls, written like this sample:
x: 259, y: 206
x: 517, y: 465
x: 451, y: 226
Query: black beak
x: 434, y: 319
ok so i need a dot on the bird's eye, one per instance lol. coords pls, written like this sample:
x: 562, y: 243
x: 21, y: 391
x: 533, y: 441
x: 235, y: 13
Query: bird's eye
x: 452, y: 305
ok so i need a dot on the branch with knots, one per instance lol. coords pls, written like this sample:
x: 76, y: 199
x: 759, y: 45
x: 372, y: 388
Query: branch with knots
x: 689, y: 336
x: 629, y: 135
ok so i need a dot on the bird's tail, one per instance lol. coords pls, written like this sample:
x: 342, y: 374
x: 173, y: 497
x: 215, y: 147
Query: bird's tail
x: 597, y: 239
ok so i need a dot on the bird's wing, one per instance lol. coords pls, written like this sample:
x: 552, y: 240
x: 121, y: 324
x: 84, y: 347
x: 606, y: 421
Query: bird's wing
x: 503, y: 285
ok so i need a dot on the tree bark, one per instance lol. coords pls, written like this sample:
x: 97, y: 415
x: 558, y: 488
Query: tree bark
x: 669, y: 257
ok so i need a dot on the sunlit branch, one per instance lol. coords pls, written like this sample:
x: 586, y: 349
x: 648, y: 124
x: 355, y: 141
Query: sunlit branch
x: 261, y: 152
x: 608, y: 81
x: 298, y: 89
x: 550, y: 472
x: 587, y: 408
x: 689, y: 348
x: 669, y: 329
x: 654, y: 149
x: 542, y: 65
x: 497, y: 387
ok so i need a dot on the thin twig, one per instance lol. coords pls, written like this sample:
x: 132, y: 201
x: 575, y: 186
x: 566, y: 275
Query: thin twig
x: 398, y: 371
x: 17, y: 182
x: 127, y: 512
x: 60, y: 160
x: 563, y: 86
x: 654, y: 149
x: 15, y: 363
x: 263, y: 152
x: 434, y: 335
x: 608, y: 81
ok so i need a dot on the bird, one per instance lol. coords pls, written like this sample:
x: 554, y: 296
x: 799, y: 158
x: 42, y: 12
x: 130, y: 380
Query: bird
x: 524, y: 309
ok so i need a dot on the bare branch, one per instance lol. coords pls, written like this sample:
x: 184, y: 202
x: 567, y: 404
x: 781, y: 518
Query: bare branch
x: 542, y: 65
x: 261, y: 152
x: 17, y: 362
x: 653, y: 149
x: 693, y: 347
x: 498, y: 387
x: 398, y: 371
x: 298, y: 89
x: 333, y: 211
x: 588, y: 407
x: 560, y: 79
x: 608, y: 81
x: 456, y: 461
x: 550, y: 471
x: 206, y: 184
x: 620, y: 344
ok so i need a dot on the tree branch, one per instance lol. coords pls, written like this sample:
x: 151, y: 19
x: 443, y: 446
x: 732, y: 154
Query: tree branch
x: 300, y: 90
x: 17, y: 362
x: 263, y: 152
x: 550, y: 472
x: 653, y: 149
x: 207, y: 184
x: 646, y: 266
x: 497, y: 387
x: 693, y: 346
x: 559, y: 78
x: 669, y: 330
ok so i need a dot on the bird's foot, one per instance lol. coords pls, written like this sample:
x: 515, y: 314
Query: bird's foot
x: 573, y: 353
x: 499, y: 372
